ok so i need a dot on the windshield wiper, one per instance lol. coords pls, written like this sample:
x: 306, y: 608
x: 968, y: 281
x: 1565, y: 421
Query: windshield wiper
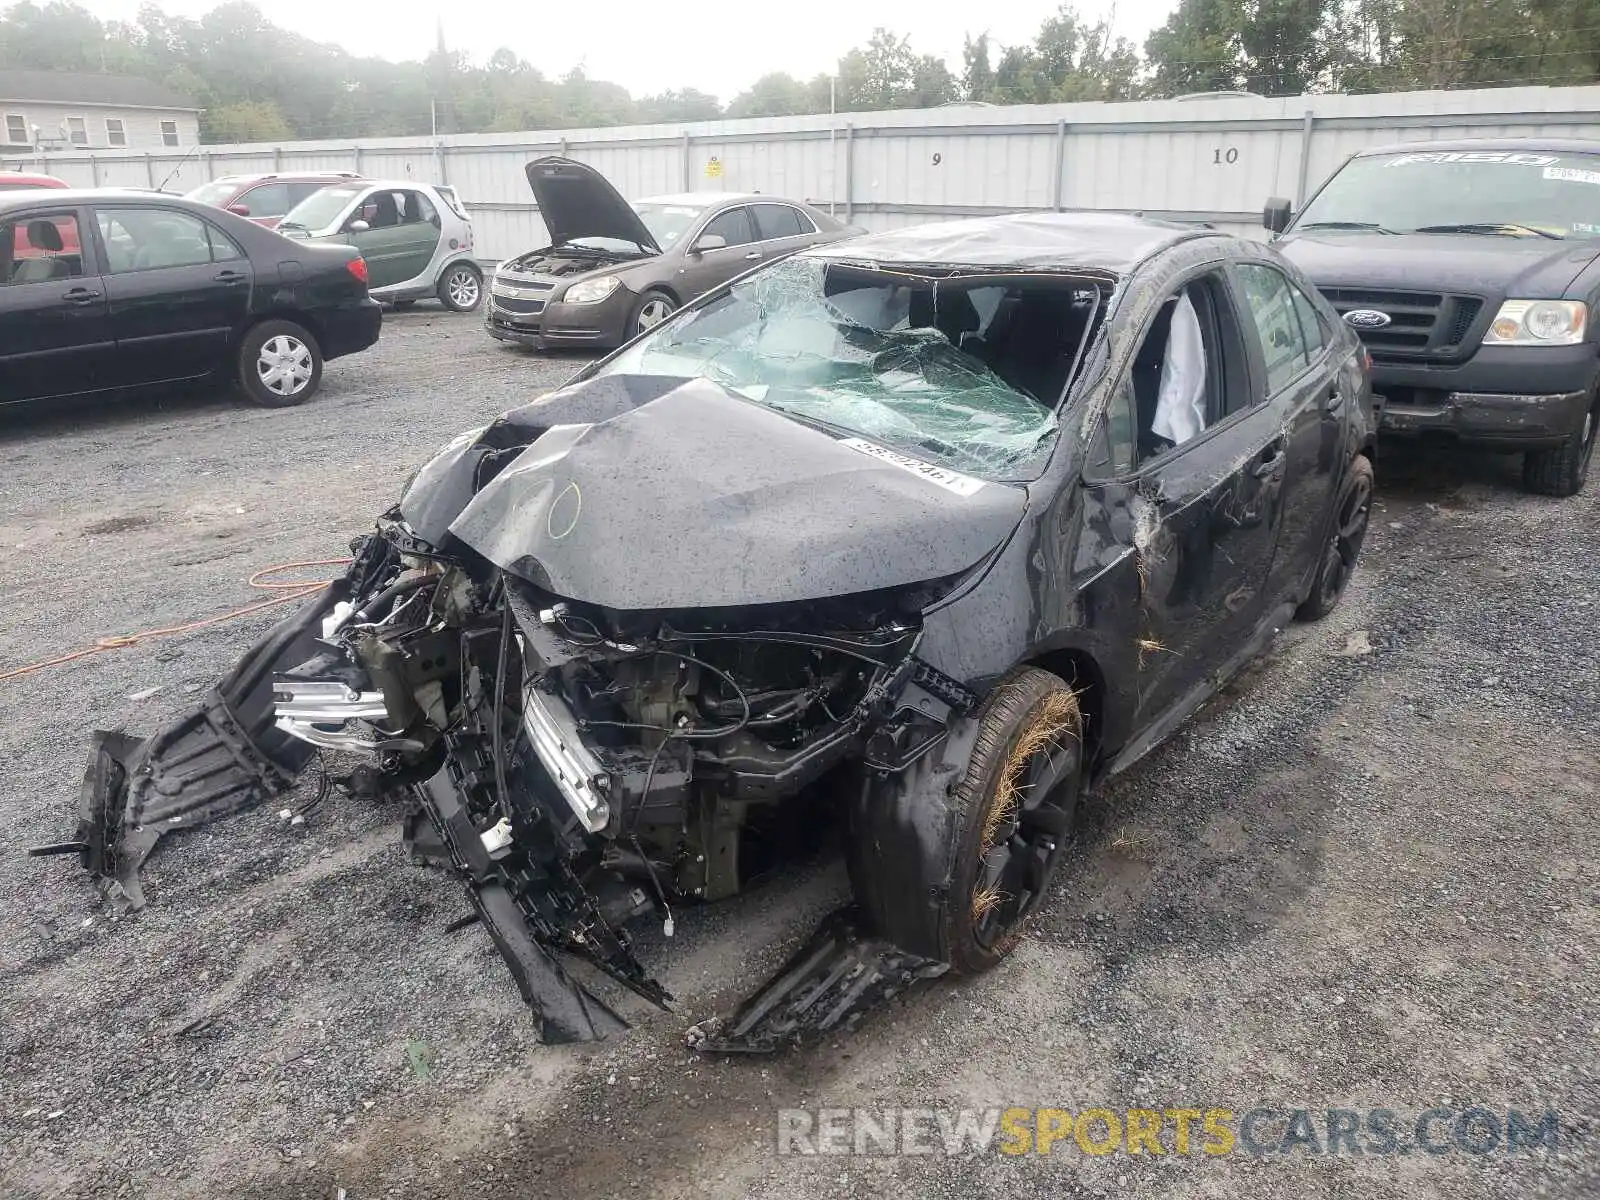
x: 290, y: 225
x: 1505, y: 228
x: 1368, y: 226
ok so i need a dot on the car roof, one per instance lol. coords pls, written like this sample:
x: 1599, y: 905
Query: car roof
x: 706, y: 199
x: 34, y: 178
x: 291, y: 176
x: 1114, y: 242
x: 59, y: 196
x: 1546, y: 144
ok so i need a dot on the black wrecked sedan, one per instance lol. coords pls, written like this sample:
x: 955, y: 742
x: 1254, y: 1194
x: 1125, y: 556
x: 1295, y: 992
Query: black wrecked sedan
x: 102, y: 291
x: 912, y: 538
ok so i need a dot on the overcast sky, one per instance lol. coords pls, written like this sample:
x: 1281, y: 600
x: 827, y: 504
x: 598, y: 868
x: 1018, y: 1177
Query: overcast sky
x: 718, y: 46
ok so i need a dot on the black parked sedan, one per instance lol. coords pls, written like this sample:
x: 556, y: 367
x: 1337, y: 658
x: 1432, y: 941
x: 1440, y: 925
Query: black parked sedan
x: 102, y: 291
x: 923, y: 533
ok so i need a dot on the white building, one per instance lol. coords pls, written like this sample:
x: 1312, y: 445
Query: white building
x: 72, y: 110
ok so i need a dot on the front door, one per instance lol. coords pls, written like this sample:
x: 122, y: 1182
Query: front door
x: 402, y: 232
x: 178, y: 290
x: 734, y: 251
x: 55, y: 338
x: 1195, y: 495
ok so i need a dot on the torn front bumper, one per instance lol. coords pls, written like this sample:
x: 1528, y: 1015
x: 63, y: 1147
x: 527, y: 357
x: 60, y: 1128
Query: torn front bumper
x: 223, y: 757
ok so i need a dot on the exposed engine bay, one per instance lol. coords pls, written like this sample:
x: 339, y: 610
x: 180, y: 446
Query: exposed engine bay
x: 557, y: 262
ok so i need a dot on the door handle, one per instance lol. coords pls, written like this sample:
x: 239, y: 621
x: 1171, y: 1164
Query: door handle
x: 1270, y: 466
x: 80, y: 295
x: 752, y: 256
x: 231, y: 276
x: 1335, y: 399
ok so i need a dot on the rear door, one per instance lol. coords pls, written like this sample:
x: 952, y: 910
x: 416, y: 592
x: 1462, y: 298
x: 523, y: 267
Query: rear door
x: 178, y: 289
x: 55, y: 336
x: 705, y: 268
x: 1304, y: 387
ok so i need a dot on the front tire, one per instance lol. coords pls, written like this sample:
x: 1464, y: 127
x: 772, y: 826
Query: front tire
x: 1011, y: 814
x: 1339, y: 557
x: 461, y: 287
x: 280, y: 364
x: 653, y: 307
x: 1564, y: 469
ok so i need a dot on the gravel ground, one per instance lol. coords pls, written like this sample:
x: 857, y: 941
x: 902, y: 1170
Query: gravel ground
x: 1358, y: 879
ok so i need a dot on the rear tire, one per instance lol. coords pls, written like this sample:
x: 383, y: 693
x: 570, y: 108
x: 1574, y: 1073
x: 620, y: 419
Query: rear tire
x: 1012, y: 812
x: 461, y: 287
x: 1339, y: 557
x: 280, y: 364
x: 1562, y: 470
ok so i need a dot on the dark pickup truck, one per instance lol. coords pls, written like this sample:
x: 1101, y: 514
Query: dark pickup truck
x: 1471, y: 270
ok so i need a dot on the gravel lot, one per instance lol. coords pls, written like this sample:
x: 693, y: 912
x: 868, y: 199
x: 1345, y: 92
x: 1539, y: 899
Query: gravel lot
x: 1356, y: 880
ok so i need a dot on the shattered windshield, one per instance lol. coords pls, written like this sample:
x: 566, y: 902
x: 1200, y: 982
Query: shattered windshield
x: 964, y: 373
x: 1496, y: 192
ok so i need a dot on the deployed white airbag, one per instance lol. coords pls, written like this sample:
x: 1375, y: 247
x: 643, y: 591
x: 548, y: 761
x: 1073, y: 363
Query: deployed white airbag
x: 1181, y: 402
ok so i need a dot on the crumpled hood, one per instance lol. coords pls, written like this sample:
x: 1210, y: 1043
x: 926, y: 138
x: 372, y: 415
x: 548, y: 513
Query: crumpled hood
x: 700, y: 499
x: 1529, y: 268
x: 577, y: 201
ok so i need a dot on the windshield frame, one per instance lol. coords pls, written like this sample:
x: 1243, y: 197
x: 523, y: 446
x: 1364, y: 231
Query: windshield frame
x: 1377, y: 221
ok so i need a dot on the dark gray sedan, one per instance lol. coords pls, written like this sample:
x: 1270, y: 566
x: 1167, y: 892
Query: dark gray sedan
x: 614, y: 269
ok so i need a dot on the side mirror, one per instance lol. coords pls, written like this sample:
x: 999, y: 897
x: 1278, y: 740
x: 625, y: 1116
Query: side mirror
x: 710, y: 241
x: 1275, y: 216
x: 239, y: 210
x: 358, y: 226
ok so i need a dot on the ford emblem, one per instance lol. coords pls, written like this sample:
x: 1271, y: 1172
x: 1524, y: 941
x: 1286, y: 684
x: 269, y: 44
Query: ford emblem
x: 1366, y: 318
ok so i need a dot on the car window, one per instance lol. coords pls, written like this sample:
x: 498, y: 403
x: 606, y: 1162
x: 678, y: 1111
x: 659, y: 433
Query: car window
x: 267, y: 200
x: 1188, y: 374
x: 417, y: 209
x: 1311, y: 324
x: 300, y: 191
x: 1270, y: 298
x: 40, y: 248
x: 321, y: 208
x: 777, y: 221
x: 733, y: 226
x: 149, y: 239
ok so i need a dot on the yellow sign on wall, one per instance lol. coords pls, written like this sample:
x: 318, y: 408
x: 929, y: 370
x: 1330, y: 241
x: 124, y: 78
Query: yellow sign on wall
x: 713, y: 167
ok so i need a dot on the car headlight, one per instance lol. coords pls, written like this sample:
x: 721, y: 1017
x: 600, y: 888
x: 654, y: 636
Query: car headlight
x: 1538, y: 323
x: 591, y: 290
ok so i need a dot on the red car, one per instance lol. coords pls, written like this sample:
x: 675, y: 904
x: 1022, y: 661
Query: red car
x: 35, y: 241
x: 264, y: 199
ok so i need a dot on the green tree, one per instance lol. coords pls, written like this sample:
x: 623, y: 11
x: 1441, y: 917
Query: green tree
x: 250, y: 121
x: 687, y: 105
x: 1198, y: 49
x: 977, y: 76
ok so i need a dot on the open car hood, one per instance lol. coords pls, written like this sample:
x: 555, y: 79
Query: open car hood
x: 577, y: 201
x: 698, y: 498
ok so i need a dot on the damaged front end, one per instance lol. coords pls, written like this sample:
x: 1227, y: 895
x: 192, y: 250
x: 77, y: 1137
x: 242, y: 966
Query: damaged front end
x: 575, y: 767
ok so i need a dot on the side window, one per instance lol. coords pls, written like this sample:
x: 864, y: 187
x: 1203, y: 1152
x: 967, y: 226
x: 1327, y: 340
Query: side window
x: 418, y: 210
x: 223, y: 247
x: 150, y: 239
x: 40, y: 249
x: 299, y: 191
x: 267, y: 200
x: 775, y: 221
x: 733, y: 226
x: 1311, y: 325
x: 1270, y: 298
x: 1188, y: 374
x: 381, y: 210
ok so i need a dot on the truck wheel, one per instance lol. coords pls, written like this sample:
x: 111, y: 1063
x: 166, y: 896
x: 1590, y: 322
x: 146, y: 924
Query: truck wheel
x: 1344, y: 545
x: 280, y: 364
x: 1562, y: 470
x: 1008, y: 818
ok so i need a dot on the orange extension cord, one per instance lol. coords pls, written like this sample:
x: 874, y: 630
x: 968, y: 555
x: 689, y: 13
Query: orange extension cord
x: 292, y: 590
